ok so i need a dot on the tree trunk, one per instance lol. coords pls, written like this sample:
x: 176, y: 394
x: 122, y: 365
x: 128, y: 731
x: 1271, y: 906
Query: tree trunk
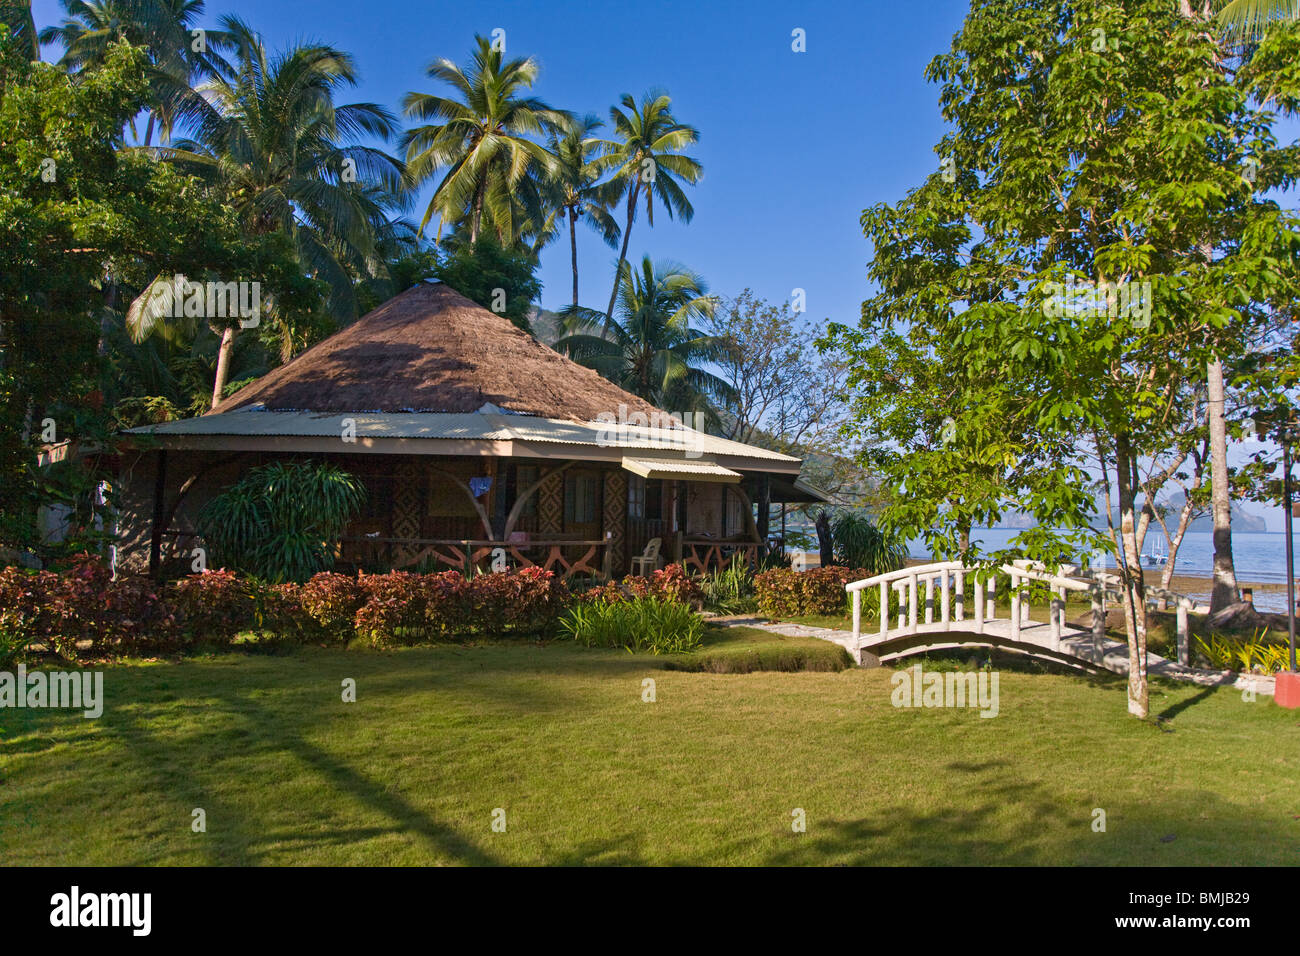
x: 825, y: 543
x: 1224, y: 591
x: 573, y: 251
x: 1135, y: 608
x: 1184, y: 521
x: 476, y: 214
x: 223, y: 363
x: 622, y: 254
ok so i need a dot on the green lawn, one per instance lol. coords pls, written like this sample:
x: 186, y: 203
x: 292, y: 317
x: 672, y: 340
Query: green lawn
x: 559, y: 737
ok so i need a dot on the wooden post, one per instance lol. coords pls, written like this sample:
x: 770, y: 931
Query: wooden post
x: 1015, y: 606
x: 960, y: 594
x: 159, y: 492
x: 1098, y: 594
x: 943, y: 596
x: 912, y: 584
x: 979, y: 607
x: 764, y: 508
x: 857, y: 617
x: 884, y: 608
x: 1184, y: 652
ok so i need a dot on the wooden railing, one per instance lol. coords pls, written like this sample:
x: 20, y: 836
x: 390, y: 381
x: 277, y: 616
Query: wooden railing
x: 1025, y: 580
x: 713, y: 554
x: 567, y: 558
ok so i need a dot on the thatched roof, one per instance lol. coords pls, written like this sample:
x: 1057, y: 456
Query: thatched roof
x: 430, y: 349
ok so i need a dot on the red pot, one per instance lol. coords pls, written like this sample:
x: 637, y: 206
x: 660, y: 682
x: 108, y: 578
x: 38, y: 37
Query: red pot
x: 1287, y: 690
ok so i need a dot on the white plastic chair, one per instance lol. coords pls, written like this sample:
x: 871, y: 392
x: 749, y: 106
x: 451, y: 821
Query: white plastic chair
x: 648, y: 560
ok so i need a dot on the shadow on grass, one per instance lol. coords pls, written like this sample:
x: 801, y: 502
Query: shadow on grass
x: 1182, y: 827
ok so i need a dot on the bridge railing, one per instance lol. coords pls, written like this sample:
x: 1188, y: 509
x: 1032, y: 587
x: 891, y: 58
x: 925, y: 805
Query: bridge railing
x: 946, y: 581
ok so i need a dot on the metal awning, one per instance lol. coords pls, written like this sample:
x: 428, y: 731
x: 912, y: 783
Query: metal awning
x: 685, y: 470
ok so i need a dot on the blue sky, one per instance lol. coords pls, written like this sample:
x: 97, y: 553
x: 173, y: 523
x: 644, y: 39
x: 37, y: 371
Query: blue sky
x: 794, y: 145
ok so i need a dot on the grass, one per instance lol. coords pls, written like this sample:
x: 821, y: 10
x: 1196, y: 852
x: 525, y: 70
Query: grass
x: 560, y: 737
x: 744, y: 650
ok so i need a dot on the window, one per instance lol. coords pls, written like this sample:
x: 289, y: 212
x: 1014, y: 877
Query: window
x: 580, y: 500
x: 654, y: 499
x: 636, y: 497
x: 525, y: 476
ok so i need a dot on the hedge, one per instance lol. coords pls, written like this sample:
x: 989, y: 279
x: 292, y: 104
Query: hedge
x: 133, y: 615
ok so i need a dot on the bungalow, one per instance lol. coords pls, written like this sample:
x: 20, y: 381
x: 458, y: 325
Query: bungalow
x: 472, y: 439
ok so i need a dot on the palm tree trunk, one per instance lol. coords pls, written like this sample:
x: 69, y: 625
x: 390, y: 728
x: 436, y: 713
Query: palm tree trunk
x: 476, y: 215
x: 622, y: 254
x: 573, y: 251
x: 1224, y: 590
x: 223, y: 363
x: 148, y: 131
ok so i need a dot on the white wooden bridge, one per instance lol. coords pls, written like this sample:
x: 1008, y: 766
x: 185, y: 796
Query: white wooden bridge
x: 923, y: 608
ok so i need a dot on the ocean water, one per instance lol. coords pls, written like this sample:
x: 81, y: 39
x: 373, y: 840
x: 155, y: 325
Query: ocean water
x: 1259, y: 557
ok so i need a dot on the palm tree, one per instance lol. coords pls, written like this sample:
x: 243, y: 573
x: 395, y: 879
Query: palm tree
x: 481, y: 137
x: 176, y: 60
x: 1248, y: 20
x: 575, y: 191
x: 647, y: 162
x: 653, y: 349
x: 283, y: 153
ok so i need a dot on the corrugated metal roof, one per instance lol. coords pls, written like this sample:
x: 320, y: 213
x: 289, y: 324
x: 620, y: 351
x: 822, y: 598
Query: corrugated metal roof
x: 671, y: 468
x: 465, y: 426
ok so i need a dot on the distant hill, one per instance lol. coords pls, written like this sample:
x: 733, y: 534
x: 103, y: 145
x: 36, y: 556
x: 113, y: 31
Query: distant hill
x: 546, y: 326
x: 1242, y: 520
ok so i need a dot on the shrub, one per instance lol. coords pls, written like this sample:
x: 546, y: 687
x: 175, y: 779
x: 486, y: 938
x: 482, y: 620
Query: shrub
x: 673, y: 583
x: 135, y: 618
x: 638, y: 624
x: 785, y: 593
x: 394, y: 608
x: 1260, y: 654
x: 529, y: 600
x: 19, y: 612
x: 859, y: 543
x: 213, y: 606
x: 278, y: 613
x: 332, y: 601
x: 731, y: 590
x: 282, y: 521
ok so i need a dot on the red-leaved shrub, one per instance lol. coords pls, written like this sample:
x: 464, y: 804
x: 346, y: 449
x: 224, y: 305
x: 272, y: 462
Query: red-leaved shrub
x: 212, y: 607
x: 332, y: 601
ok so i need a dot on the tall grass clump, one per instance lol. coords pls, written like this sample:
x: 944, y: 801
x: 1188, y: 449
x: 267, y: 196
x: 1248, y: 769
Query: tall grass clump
x: 640, y: 624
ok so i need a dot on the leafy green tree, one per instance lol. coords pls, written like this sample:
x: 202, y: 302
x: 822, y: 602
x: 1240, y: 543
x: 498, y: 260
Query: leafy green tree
x: 1094, y: 142
x: 178, y: 56
x: 647, y: 162
x: 482, y: 137
x: 81, y: 219
x: 654, y: 347
x: 501, y: 279
x: 286, y: 155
